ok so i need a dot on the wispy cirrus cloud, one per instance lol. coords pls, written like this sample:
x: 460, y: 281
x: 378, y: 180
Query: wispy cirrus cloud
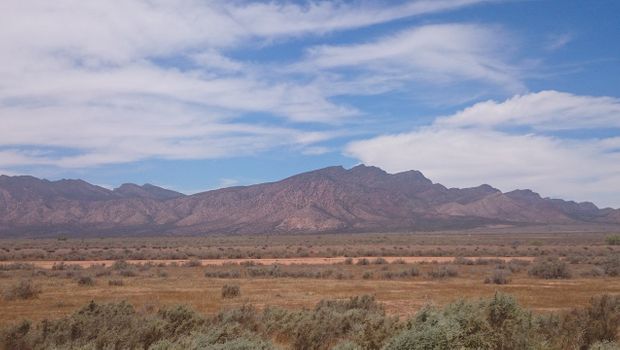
x: 474, y: 146
x: 429, y: 54
x: 121, y: 81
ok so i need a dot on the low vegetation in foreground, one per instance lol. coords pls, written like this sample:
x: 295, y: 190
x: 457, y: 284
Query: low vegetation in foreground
x: 360, y: 322
x: 357, y: 323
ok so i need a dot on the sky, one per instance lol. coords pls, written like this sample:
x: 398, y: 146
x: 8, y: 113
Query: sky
x: 195, y: 95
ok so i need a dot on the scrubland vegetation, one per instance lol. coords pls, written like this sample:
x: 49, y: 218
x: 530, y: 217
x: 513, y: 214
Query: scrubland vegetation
x: 438, y: 244
x: 526, y: 292
x: 360, y: 322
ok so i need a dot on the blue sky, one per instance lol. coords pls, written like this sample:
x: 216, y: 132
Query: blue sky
x: 196, y: 95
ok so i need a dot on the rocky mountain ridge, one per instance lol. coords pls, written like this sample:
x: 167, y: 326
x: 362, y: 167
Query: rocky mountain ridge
x: 332, y: 199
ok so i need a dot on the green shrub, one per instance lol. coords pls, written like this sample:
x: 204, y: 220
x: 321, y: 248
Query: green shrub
x: 549, y: 268
x: 24, y: 289
x: 611, y: 265
x: 605, y: 345
x: 613, y: 239
x: 498, y: 276
x: 498, y: 323
x: 194, y: 262
x: 443, y: 272
x: 85, y: 281
x: 231, y: 291
x: 363, y: 261
x: 379, y: 261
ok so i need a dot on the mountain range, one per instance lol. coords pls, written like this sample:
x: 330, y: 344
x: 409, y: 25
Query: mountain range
x: 332, y: 199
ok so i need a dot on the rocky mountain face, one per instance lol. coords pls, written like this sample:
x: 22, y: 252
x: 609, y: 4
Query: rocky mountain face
x: 332, y: 199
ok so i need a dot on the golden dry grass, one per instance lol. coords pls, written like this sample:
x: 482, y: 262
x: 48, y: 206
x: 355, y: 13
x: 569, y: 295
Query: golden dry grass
x: 185, y: 285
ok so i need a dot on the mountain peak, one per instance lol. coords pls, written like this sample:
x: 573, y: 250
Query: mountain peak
x: 131, y: 190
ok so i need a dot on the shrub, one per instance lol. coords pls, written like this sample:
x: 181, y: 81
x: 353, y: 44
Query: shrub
x: 594, y: 272
x: 363, y: 261
x: 379, y: 261
x: 116, y: 283
x: 127, y: 273
x: 86, y: 281
x: 443, y: 272
x: 498, y: 276
x: 497, y: 323
x: 613, y: 239
x: 459, y: 260
x: 231, y: 291
x: 194, y: 262
x: 605, y: 345
x: 517, y: 265
x: 549, y: 268
x: 24, y: 289
x: 120, y: 265
x: 348, y: 261
x: 611, y: 265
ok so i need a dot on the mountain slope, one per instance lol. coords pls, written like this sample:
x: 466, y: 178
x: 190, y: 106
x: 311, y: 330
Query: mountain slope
x: 332, y: 199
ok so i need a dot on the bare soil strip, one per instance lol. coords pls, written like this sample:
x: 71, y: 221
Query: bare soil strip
x: 48, y: 264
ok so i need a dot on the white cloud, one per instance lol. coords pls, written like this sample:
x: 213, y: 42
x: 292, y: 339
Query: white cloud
x: 90, y: 83
x: 275, y: 19
x: 546, y: 110
x: 558, y: 41
x: 119, y: 31
x: 438, y: 54
x: 315, y: 150
x: 465, y: 149
x: 227, y: 182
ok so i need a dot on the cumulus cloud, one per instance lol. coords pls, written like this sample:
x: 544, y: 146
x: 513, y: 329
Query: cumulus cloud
x: 471, y: 147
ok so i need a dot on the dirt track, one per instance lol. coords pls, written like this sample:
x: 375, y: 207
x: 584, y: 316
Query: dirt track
x: 46, y: 264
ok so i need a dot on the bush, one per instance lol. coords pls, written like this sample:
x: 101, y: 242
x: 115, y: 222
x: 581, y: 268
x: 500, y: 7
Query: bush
x: 497, y: 323
x: 192, y: 263
x: 25, y: 289
x: 611, y: 265
x: 459, y: 260
x: 517, y: 265
x: 443, y: 272
x: 121, y: 265
x: 231, y: 291
x: 605, y: 345
x: 115, y: 283
x: 379, y: 261
x: 86, y: 281
x: 363, y: 261
x: 549, y: 268
x: 498, y: 276
x: 613, y: 239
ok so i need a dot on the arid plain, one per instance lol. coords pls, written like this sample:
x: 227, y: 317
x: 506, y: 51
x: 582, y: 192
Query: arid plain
x: 403, y: 271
